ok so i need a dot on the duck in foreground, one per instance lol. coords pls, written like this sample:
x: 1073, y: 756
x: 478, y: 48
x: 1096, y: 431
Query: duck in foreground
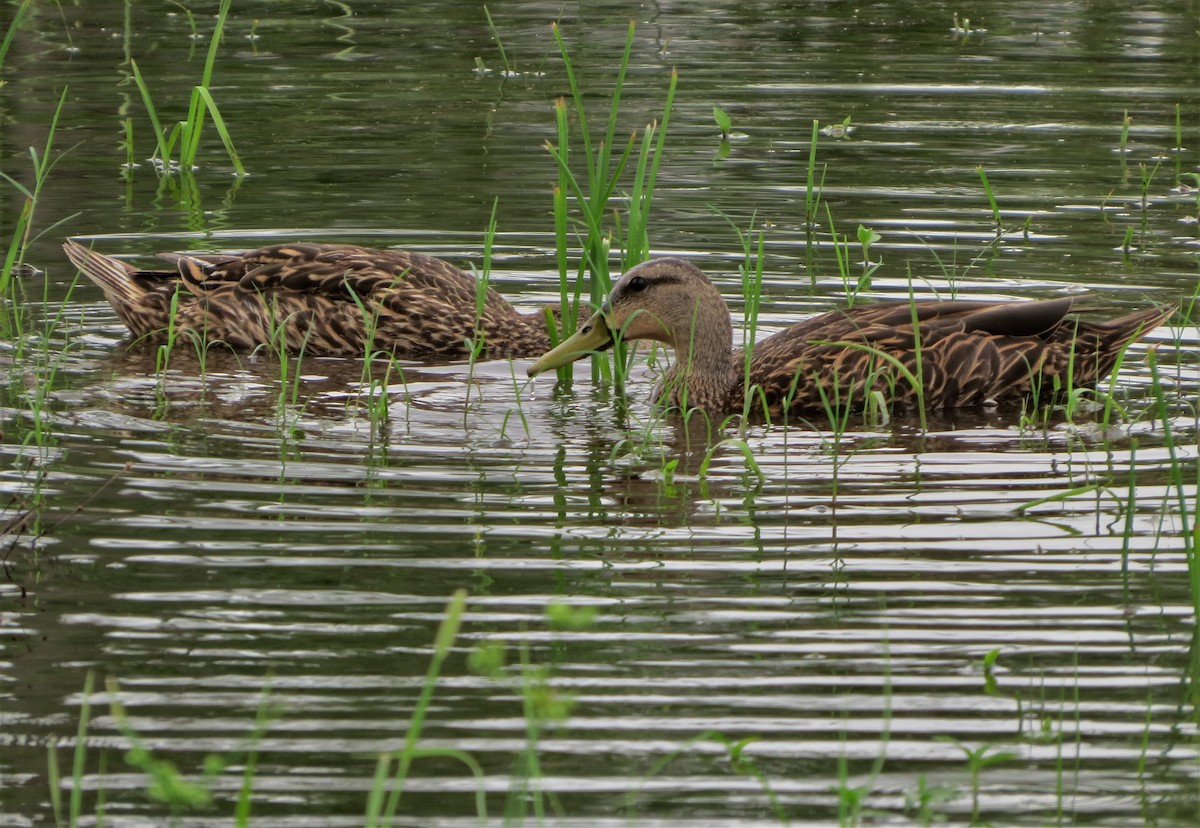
x: 962, y: 353
x: 325, y: 299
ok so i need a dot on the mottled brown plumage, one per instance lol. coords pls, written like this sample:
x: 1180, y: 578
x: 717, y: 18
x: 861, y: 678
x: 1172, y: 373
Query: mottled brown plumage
x: 961, y: 353
x: 326, y: 299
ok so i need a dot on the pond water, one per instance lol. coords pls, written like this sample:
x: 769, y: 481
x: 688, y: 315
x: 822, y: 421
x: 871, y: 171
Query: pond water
x: 978, y: 620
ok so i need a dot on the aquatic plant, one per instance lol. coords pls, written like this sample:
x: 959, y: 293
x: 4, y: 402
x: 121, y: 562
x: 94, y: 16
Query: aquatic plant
x: 78, y: 764
x: 14, y: 256
x: 979, y: 758
x: 18, y: 17
x: 392, y: 769
x: 997, y: 219
x: 723, y: 122
x: 1184, y: 486
x: 593, y: 194
x: 477, y: 342
x: 926, y: 799
x: 1126, y: 122
x: 739, y: 762
x: 201, y: 107
x: 813, y: 187
x: 853, y: 285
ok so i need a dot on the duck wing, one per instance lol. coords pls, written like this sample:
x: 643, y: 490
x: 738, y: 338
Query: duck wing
x: 958, y: 353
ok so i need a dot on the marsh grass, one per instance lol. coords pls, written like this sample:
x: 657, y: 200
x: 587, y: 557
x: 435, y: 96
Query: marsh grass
x: 289, y: 405
x: 519, y: 410
x: 813, y: 187
x: 1184, y: 486
x: 740, y: 763
x: 78, y: 764
x: 202, y: 107
x: 18, y: 17
x: 14, y: 256
x: 979, y: 758
x: 1123, y: 145
x: 853, y: 284
x: 392, y: 769
x: 992, y: 203
x: 477, y: 344
x: 750, y: 268
x: 541, y: 707
x: 593, y: 192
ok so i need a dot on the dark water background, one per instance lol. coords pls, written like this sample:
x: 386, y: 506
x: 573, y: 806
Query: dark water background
x: 211, y: 532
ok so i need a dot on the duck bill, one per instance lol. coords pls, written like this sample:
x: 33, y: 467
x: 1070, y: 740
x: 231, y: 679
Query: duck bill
x: 593, y: 336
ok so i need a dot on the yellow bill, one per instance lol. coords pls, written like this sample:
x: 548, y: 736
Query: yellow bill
x: 593, y: 336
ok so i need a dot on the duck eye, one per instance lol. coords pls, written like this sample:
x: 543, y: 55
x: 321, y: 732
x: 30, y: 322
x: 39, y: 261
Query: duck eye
x: 637, y: 283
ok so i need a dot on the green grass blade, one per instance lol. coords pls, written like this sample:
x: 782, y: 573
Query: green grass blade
x: 991, y: 197
x: 496, y: 37
x: 598, y: 203
x: 13, y: 26
x: 576, y: 97
x: 211, y: 59
x: 54, y: 780
x: 176, y: 136
x: 659, y: 148
x: 590, y: 219
x: 637, y: 243
x: 85, y: 710
x: 219, y: 123
x: 604, y: 156
x: 148, y: 102
x: 21, y: 188
x: 446, y: 634
x: 811, y: 195
x: 189, y: 147
x: 20, y: 238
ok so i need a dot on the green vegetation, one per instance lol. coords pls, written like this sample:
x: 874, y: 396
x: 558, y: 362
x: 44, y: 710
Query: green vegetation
x: 992, y: 203
x: 723, y: 122
x: 186, y: 133
x: 593, y: 193
x: 14, y: 257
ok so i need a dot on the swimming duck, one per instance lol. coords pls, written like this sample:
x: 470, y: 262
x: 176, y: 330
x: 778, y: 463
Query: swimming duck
x: 961, y: 353
x: 329, y: 299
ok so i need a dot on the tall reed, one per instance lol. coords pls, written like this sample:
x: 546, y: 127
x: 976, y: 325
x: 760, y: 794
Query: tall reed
x: 594, y: 191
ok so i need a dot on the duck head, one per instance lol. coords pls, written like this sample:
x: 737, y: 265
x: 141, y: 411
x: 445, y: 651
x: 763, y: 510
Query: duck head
x: 664, y: 300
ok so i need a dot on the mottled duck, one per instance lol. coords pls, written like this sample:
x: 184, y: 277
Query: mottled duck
x: 959, y: 353
x: 322, y: 299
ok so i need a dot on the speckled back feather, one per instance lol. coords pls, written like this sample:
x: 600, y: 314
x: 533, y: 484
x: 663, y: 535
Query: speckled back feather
x: 323, y: 299
x: 969, y: 353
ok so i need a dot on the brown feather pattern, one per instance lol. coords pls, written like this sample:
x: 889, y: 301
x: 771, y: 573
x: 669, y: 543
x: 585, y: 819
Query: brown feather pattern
x: 324, y: 299
x: 961, y: 353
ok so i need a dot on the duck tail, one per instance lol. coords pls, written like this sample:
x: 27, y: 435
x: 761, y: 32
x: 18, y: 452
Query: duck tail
x: 113, y: 276
x: 131, y: 297
x: 1107, y: 340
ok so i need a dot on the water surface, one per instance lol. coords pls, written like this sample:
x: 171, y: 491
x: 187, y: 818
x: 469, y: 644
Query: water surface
x: 210, y: 531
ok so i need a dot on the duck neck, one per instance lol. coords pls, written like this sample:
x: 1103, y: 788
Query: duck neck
x: 703, y: 372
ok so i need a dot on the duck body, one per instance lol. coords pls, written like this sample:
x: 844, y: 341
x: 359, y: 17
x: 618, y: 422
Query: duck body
x: 946, y: 354
x: 319, y: 299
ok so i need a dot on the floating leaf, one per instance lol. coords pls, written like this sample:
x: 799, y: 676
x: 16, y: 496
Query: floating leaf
x: 722, y: 120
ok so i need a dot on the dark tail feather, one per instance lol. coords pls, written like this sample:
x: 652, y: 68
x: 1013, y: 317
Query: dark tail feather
x: 113, y: 276
x: 140, y: 307
x: 1102, y: 343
